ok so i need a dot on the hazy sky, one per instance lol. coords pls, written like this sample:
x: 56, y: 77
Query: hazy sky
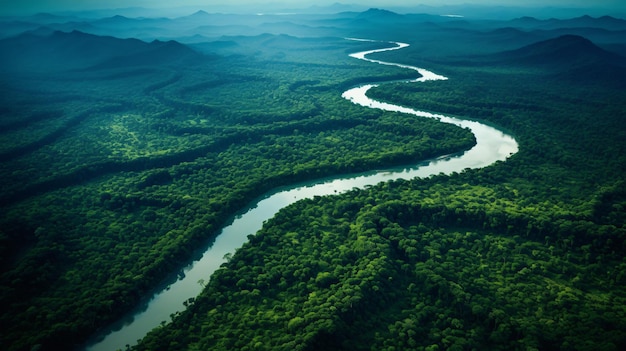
x: 34, y: 6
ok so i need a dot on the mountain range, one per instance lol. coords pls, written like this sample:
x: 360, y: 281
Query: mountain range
x: 71, y: 43
x: 604, y: 30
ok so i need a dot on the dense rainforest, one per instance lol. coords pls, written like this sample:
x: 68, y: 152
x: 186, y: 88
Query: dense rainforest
x: 527, y: 254
x: 117, y: 165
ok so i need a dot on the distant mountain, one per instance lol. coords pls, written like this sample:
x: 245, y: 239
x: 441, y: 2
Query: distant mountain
x: 379, y: 14
x: 46, y: 18
x: 77, y: 50
x: 126, y: 27
x: 334, y: 8
x: 525, y: 21
x: 566, y: 50
x: 199, y: 14
x: 511, y: 37
x: 570, y: 58
x: 196, y: 18
x: 155, y: 53
x: 117, y: 20
x: 604, y: 22
x: 131, y: 12
x: 370, y: 17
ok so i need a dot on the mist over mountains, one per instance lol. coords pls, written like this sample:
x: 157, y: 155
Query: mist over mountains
x: 46, y: 41
x: 584, y: 49
x: 500, y: 11
x: 215, y: 24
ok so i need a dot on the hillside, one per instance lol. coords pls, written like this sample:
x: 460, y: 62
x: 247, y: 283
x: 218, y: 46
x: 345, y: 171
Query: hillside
x: 571, y: 50
x: 63, y: 51
x: 570, y: 57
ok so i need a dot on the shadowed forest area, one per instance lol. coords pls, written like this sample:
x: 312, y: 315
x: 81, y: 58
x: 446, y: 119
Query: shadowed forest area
x: 127, y: 143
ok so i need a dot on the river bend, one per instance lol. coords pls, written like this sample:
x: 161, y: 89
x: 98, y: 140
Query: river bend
x: 491, y: 145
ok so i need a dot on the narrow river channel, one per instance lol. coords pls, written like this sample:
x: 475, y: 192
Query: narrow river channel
x: 492, y: 145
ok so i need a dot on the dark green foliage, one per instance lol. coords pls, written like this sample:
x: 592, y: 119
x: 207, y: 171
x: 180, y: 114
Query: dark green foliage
x: 407, y: 272
x: 113, y: 176
x: 137, y: 167
x: 527, y: 254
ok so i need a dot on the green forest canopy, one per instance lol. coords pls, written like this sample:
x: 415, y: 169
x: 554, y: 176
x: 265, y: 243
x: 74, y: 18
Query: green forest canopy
x: 112, y: 176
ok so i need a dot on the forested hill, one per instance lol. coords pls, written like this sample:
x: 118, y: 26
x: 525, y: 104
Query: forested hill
x: 570, y: 58
x: 63, y: 51
x: 567, y: 50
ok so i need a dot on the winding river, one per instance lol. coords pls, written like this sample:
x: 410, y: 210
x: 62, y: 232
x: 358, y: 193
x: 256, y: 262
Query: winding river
x: 492, y: 145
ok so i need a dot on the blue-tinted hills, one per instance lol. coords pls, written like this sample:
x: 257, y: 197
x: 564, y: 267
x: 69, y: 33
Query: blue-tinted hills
x: 62, y: 51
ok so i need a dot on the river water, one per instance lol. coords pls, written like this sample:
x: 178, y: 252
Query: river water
x: 492, y: 145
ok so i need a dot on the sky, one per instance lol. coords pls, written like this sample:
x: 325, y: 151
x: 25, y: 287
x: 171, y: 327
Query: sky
x: 10, y: 7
